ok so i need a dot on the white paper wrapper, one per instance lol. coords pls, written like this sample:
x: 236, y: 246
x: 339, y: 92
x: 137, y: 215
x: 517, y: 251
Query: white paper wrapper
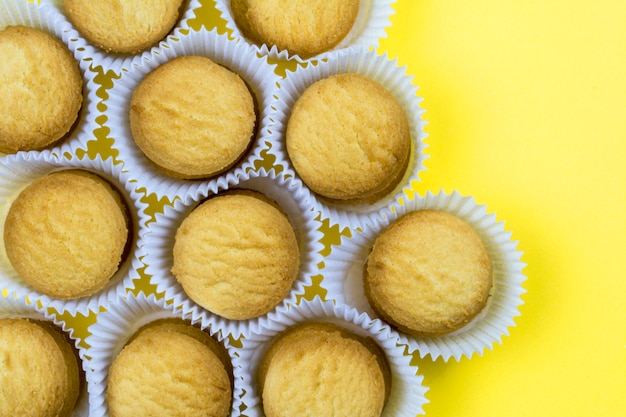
x: 122, y: 318
x: 370, y: 25
x: 407, y: 395
x: 239, y: 58
x: 17, y: 172
x: 344, y: 276
x: 380, y: 69
x: 293, y: 200
x: 21, y: 307
x: 45, y: 17
x: 118, y: 62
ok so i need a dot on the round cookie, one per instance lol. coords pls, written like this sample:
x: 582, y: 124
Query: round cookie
x: 123, y: 26
x: 39, y: 372
x: 428, y: 274
x: 42, y: 89
x: 348, y: 139
x: 236, y: 255
x: 321, y: 369
x: 170, y: 368
x: 192, y: 117
x: 305, y: 28
x: 65, y: 234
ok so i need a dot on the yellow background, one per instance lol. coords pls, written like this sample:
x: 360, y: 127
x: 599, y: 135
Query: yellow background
x: 526, y: 105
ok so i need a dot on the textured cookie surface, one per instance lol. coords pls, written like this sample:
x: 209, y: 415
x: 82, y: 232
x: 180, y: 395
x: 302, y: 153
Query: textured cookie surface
x: 41, y: 89
x: 428, y: 273
x: 38, y: 370
x: 236, y: 255
x: 321, y: 369
x: 169, y: 370
x: 348, y: 138
x: 123, y: 26
x: 192, y: 117
x: 305, y: 28
x: 65, y: 233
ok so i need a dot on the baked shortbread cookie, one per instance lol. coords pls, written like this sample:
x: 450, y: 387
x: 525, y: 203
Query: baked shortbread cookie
x: 321, y: 369
x: 39, y: 372
x: 236, y: 255
x: 192, y: 117
x: 123, y: 26
x: 65, y: 234
x: 41, y: 89
x: 428, y: 273
x: 348, y: 139
x: 305, y: 28
x: 170, y: 368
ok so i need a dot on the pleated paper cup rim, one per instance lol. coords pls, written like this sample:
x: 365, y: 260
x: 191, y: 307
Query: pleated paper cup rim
x: 13, y: 306
x: 242, y: 59
x: 286, y: 191
x: 46, y: 18
x: 121, y: 319
x: 373, y: 18
x: 407, y: 395
x: 17, y: 172
x: 387, y: 73
x: 343, y: 276
x: 118, y: 62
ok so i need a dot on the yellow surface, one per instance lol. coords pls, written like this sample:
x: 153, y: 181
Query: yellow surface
x: 526, y: 104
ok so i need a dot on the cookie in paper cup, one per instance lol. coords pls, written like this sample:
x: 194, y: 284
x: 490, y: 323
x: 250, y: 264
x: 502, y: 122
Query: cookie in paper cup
x: 345, y: 275
x: 20, y: 313
x: 380, y: 125
x: 48, y: 215
x: 359, y: 23
x: 194, y: 125
x: 237, y: 246
x: 407, y: 393
x: 96, y: 38
x: 67, y: 109
x: 116, y: 347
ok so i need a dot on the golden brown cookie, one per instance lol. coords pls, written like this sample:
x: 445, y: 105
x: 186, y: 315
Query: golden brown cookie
x: 236, y: 255
x: 123, y: 26
x: 348, y: 139
x: 429, y: 273
x: 192, y: 117
x: 305, y: 28
x: 170, y: 369
x: 65, y: 234
x: 39, y: 372
x: 41, y: 89
x: 321, y: 369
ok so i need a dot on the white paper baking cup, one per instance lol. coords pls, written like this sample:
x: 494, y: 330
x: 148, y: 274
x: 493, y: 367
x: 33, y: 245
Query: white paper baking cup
x: 17, y: 172
x: 239, y: 58
x: 115, y: 326
x: 380, y: 69
x: 407, y: 395
x: 370, y: 25
x: 20, y: 307
x: 117, y: 62
x: 344, y: 276
x: 45, y: 17
x: 292, y: 198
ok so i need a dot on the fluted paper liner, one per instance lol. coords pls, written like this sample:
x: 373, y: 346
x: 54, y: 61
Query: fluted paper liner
x: 239, y: 58
x: 292, y: 198
x: 12, y: 306
x: 46, y: 18
x: 407, y: 395
x: 344, y: 276
x: 115, y: 326
x: 17, y: 172
x: 372, y: 20
x: 380, y: 69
